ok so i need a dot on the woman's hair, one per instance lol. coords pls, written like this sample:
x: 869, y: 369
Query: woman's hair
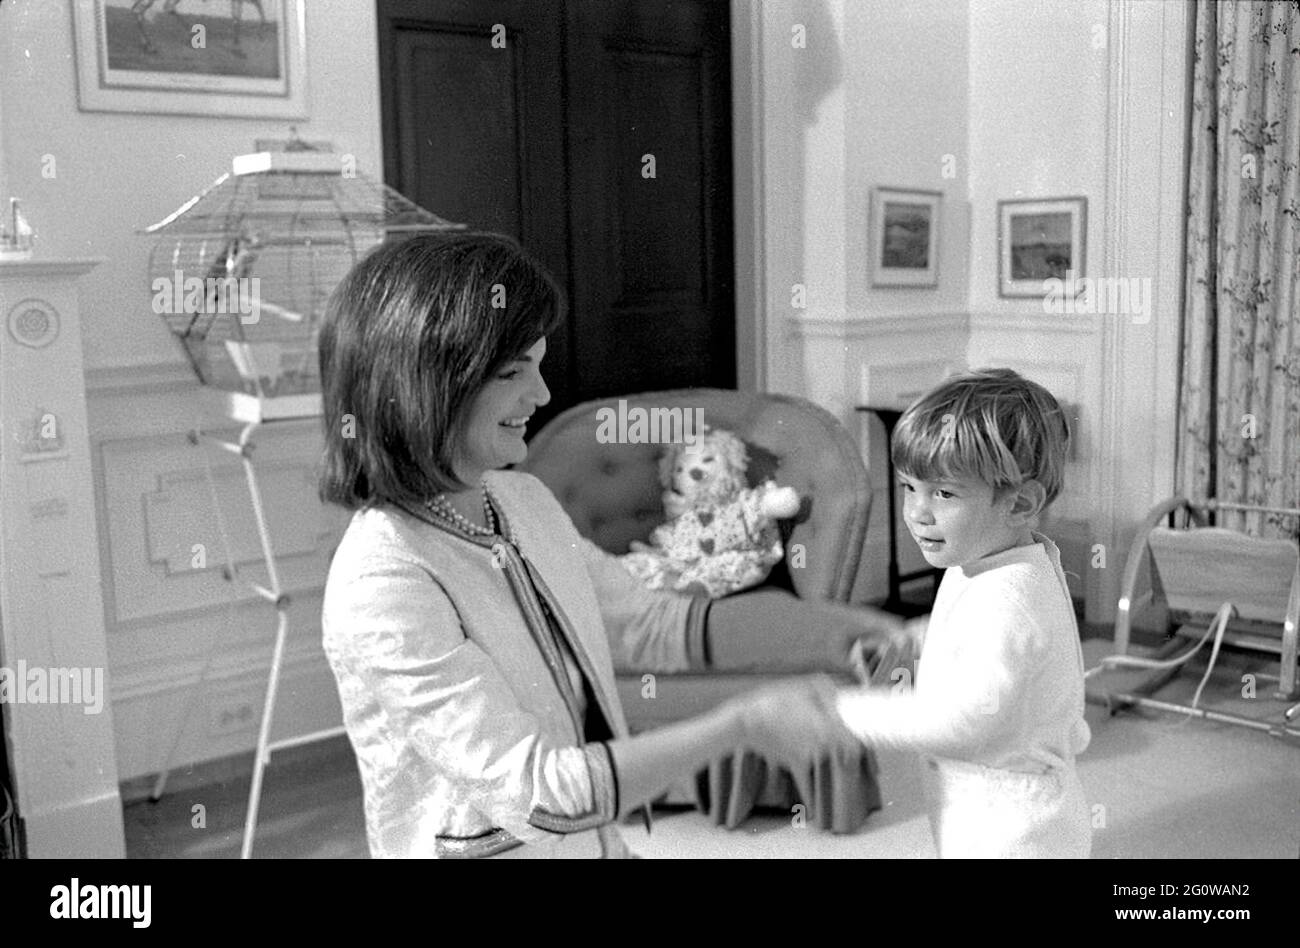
x: 990, y: 424
x: 410, y: 336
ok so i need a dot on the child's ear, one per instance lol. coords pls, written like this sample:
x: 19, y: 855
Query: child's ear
x: 1029, y: 501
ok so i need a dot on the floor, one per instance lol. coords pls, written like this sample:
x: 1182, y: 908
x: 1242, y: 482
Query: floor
x: 1161, y: 786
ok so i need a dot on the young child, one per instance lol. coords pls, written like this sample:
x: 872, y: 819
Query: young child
x: 997, y: 708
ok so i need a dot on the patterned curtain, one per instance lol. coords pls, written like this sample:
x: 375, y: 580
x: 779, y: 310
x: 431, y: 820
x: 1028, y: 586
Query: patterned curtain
x: 1239, y: 406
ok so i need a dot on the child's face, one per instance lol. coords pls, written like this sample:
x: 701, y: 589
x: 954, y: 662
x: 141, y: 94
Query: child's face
x: 960, y: 521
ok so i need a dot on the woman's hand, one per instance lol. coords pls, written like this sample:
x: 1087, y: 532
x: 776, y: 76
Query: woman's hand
x: 795, y: 722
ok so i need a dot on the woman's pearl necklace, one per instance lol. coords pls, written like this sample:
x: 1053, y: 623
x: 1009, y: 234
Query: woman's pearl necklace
x: 441, y: 506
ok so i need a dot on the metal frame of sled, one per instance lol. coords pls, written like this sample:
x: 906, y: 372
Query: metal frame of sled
x: 1219, y: 585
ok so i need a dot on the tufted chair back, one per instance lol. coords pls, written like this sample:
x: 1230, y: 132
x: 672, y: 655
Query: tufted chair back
x: 612, y: 491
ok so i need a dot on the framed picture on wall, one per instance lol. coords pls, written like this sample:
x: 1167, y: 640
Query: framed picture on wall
x: 232, y: 58
x: 1040, y: 240
x: 904, y: 237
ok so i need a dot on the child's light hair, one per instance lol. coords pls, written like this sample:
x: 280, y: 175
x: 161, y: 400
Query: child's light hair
x: 990, y: 424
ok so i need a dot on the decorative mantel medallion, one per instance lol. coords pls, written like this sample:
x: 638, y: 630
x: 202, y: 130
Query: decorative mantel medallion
x: 34, y: 323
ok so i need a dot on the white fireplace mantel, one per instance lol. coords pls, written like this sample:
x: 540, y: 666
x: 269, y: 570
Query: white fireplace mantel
x: 58, y: 717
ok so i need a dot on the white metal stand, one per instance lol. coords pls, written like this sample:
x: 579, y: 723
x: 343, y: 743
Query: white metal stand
x: 273, y: 594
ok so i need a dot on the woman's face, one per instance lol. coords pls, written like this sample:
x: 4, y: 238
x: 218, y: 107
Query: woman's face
x: 496, y: 420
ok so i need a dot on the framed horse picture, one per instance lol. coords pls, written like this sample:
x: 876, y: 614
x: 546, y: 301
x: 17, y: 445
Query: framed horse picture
x: 232, y: 58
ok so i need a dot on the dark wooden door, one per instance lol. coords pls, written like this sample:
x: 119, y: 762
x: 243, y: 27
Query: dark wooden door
x: 547, y: 140
x: 473, y: 132
x: 649, y: 93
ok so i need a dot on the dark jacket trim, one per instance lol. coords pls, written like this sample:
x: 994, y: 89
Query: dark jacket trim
x: 555, y: 823
x: 604, y: 778
x: 617, y: 806
x: 558, y: 823
x: 528, y: 598
x: 577, y: 647
x: 491, y: 843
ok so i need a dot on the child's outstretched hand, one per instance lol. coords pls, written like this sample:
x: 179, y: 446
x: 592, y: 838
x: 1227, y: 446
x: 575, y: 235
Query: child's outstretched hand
x: 795, y: 721
x: 844, y: 626
x: 876, y: 657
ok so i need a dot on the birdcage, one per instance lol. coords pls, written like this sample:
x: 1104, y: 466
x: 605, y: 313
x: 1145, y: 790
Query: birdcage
x: 241, y: 272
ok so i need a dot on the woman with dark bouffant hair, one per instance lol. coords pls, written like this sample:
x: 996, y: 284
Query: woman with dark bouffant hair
x: 472, y: 631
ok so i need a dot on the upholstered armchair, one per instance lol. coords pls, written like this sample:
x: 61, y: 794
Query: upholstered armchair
x: 612, y: 493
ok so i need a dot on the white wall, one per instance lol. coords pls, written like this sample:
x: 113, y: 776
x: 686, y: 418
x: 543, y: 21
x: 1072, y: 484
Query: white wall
x: 4, y: 178
x: 840, y: 117
x: 876, y: 97
x: 1087, y: 98
x: 1038, y: 90
x: 1033, y: 99
x: 907, y: 113
x: 1039, y: 129
x: 116, y: 173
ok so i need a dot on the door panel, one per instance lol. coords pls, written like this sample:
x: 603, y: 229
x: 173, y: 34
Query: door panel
x: 544, y: 140
x: 475, y: 133
x: 449, y: 80
x: 652, y: 293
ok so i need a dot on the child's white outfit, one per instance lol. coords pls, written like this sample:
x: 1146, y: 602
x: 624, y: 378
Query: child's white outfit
x: 996, y: 712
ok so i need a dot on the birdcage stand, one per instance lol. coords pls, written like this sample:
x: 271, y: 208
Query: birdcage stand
x: 273, y: 593
x: 250, y: 262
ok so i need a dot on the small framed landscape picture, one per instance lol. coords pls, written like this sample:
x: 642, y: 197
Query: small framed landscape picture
x: 904, y: 237
x: 232, y: 58
x: 1040, y: 240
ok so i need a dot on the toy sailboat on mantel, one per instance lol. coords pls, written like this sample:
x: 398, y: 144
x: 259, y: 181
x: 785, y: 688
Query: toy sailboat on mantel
x: 15, y: 235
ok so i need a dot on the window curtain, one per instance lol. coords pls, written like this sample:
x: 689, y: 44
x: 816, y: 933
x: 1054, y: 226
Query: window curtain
x: 1239, y: 405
